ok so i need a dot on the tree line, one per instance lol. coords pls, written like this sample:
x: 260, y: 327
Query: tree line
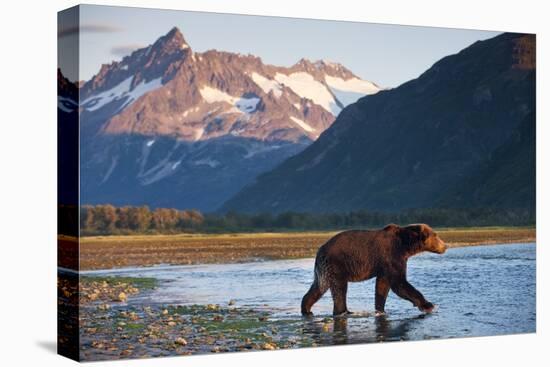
x: 107, y: 219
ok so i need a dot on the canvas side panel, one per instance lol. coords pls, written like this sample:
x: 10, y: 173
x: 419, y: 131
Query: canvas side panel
x: 68, y: 183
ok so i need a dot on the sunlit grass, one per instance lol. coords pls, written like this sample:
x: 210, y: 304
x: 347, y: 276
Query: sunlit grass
x: 145, y: 250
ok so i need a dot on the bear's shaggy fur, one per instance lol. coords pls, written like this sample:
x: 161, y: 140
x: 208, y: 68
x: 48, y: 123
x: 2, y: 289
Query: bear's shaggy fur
x: 354, y: 256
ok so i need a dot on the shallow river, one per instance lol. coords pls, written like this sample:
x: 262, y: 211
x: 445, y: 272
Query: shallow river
x: 482, y: 290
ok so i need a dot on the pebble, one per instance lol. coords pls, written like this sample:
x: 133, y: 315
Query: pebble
x: 181, y: 341
x: 269, y: 346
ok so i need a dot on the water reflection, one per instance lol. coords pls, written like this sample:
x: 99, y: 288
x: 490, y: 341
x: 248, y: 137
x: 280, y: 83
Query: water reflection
x: 387, y: 330
x: 340, y: 331
x: 362, y: 329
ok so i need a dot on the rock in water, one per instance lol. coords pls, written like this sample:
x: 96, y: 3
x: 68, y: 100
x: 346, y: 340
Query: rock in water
x: 122, y: 297
x: 181, y: 341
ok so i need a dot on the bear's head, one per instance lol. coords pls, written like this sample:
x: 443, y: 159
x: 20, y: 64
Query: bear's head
x: 421, y: 237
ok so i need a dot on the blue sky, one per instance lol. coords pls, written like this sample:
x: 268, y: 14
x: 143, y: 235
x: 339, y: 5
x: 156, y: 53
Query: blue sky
x: 386, y: 54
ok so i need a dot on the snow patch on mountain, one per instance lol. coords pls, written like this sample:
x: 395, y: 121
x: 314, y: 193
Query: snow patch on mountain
x: 99, y: 100
x: 244, y: 104
x: 66, y: 104
x: 114, y: 162
x: 267, y: 85
x: 198, y: 133
x: 212, y: 163
x: 162, y: 171
x: 175, y: 165
x: 247, y: 105
x: 302, y: 124
x: 255, y: 150
x: 350, y: 90
x: 304, y: 85
x: 141, y: 89
x: 119, y: 92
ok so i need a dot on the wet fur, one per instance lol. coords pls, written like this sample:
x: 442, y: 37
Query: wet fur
x: 354, y: 256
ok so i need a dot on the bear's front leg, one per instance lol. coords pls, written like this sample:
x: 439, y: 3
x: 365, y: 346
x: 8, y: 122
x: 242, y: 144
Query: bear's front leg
x: 405, y: 290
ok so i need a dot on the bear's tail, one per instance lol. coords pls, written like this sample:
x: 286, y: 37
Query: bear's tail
x: 321, y: 273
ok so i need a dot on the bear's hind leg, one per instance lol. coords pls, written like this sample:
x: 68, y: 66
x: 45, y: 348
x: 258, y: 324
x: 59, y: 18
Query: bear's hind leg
x: 339, y: 290
x: 381, y: 293
x: 311, y: 297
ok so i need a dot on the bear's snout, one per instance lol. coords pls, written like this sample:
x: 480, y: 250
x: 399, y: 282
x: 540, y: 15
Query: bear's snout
x: 436, y: 245
x: 441, y: 247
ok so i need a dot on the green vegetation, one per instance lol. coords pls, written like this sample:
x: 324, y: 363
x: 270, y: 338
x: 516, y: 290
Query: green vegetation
x: 141, y: 283
x: 107, y: 219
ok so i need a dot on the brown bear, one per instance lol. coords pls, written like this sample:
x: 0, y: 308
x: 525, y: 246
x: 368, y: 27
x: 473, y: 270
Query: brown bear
x: 357, y: 255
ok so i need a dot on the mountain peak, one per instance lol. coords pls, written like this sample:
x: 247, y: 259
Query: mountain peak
x: 323, y: 67
x: 174, y: 33
x: 172, y: 41
x: 319, y: 63
x: 158, y: 60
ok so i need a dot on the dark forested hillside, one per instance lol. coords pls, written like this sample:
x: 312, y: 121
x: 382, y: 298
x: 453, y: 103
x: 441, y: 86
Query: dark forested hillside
x: 460, y: 135
x: 507, y: 179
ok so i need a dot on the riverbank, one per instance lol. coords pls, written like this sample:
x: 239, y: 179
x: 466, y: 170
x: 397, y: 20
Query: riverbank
x: 113, y: 328
x: 212, y: 308
x: 105, y: 252
x: 125, y: 331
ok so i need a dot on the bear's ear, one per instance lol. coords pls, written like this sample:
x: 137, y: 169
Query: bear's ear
x: 391, y: 228
x: 413, y: 232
